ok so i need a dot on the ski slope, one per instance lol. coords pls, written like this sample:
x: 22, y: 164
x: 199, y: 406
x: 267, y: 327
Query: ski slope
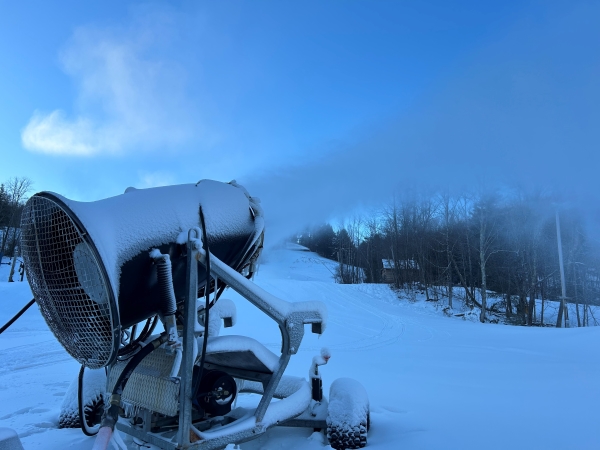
x: 434, y: 382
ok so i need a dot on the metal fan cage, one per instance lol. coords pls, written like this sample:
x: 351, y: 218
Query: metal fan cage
x: 69, y: 282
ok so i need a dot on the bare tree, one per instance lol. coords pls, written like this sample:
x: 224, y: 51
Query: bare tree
x: 448, y: 213
x: 487, y: 235
x: 15, y: 191
x: 393, y: 232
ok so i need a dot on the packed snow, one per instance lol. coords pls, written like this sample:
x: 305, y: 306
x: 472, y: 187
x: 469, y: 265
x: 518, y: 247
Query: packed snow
x: 243, y: 343
x: 223, y: 309
x: 433, y: 382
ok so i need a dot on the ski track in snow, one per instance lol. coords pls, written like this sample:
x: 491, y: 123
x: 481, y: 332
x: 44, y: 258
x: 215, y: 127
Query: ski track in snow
x: 382, y: 323
x: 19, y: 358
x: 390, y: 331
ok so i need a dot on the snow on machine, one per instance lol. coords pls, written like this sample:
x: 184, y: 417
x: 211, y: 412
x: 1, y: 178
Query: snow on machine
x: 105, y: 273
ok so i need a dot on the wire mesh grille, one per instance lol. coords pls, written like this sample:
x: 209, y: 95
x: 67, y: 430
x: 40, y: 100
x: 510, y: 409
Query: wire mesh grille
x: 67, y: 282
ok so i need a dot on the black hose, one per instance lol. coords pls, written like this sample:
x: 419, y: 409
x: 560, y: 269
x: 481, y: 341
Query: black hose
x: 127, y: 350
x: 132, y: 332
x: 19, y: 314
x: 196, y: 385
x: 82, y: 418
x: 218, y: 294
x: 111, y: 414
x: 145, y: 334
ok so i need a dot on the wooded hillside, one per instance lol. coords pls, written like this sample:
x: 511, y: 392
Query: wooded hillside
x: 506, y: 243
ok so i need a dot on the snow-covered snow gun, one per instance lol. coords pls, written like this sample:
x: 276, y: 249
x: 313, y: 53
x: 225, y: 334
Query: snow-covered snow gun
x: 104, y: 273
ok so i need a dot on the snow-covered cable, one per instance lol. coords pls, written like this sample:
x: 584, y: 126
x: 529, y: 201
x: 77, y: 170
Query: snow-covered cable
x: 19, y: 314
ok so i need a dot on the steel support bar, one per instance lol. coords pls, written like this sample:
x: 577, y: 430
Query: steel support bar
x: 187, y: 366
x: 151, y: 438
x: 242, y: 286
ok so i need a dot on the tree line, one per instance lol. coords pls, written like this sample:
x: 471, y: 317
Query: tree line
x: 501, y: 242
x: 13, y: 194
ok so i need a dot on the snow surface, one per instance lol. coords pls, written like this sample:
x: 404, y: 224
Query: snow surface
x: 230, y: 343
x: 223, y: 309
x: 289, y: 407
x: 434, y: 382
x: 9, y: 440
x: 286, y: 387
x: 275, y: 307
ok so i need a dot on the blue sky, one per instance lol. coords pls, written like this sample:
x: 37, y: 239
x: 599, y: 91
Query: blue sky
x: 305, y: 102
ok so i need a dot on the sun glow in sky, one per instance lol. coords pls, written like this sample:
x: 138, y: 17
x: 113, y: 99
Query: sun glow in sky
x: 307, y: 103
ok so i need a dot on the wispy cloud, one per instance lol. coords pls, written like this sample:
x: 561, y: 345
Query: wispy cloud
x: 155, y: 179
x: 55, y: 133
x: 130, y: 93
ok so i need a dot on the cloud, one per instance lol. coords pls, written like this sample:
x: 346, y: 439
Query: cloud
x: 131, y: 94
x: 156, y: 179
x: 55, y: 134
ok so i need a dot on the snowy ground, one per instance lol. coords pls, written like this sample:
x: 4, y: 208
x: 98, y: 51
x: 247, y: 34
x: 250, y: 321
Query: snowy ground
x: 434, y: 382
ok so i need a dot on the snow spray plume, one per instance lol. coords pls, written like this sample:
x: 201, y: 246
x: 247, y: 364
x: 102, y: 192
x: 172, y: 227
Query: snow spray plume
x: 523, y: 111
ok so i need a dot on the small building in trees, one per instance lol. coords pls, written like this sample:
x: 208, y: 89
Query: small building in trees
x: 406, y: 271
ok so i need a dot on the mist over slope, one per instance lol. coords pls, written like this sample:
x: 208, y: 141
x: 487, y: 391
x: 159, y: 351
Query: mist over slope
x: 518, y: 112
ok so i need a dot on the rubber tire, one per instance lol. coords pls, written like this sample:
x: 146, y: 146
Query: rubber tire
x: 344, y: 433
x: 70, y: 418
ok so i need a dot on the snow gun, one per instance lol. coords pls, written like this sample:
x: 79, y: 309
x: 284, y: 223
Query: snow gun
x: 105, y: 273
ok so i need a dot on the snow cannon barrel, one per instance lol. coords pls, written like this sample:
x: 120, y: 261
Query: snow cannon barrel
x: 89, y: 266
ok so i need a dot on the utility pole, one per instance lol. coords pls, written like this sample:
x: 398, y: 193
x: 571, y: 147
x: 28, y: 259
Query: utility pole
x: 563, y: 298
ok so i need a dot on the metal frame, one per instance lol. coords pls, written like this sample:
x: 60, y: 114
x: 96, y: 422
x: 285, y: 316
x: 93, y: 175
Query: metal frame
x: 291, y: 318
